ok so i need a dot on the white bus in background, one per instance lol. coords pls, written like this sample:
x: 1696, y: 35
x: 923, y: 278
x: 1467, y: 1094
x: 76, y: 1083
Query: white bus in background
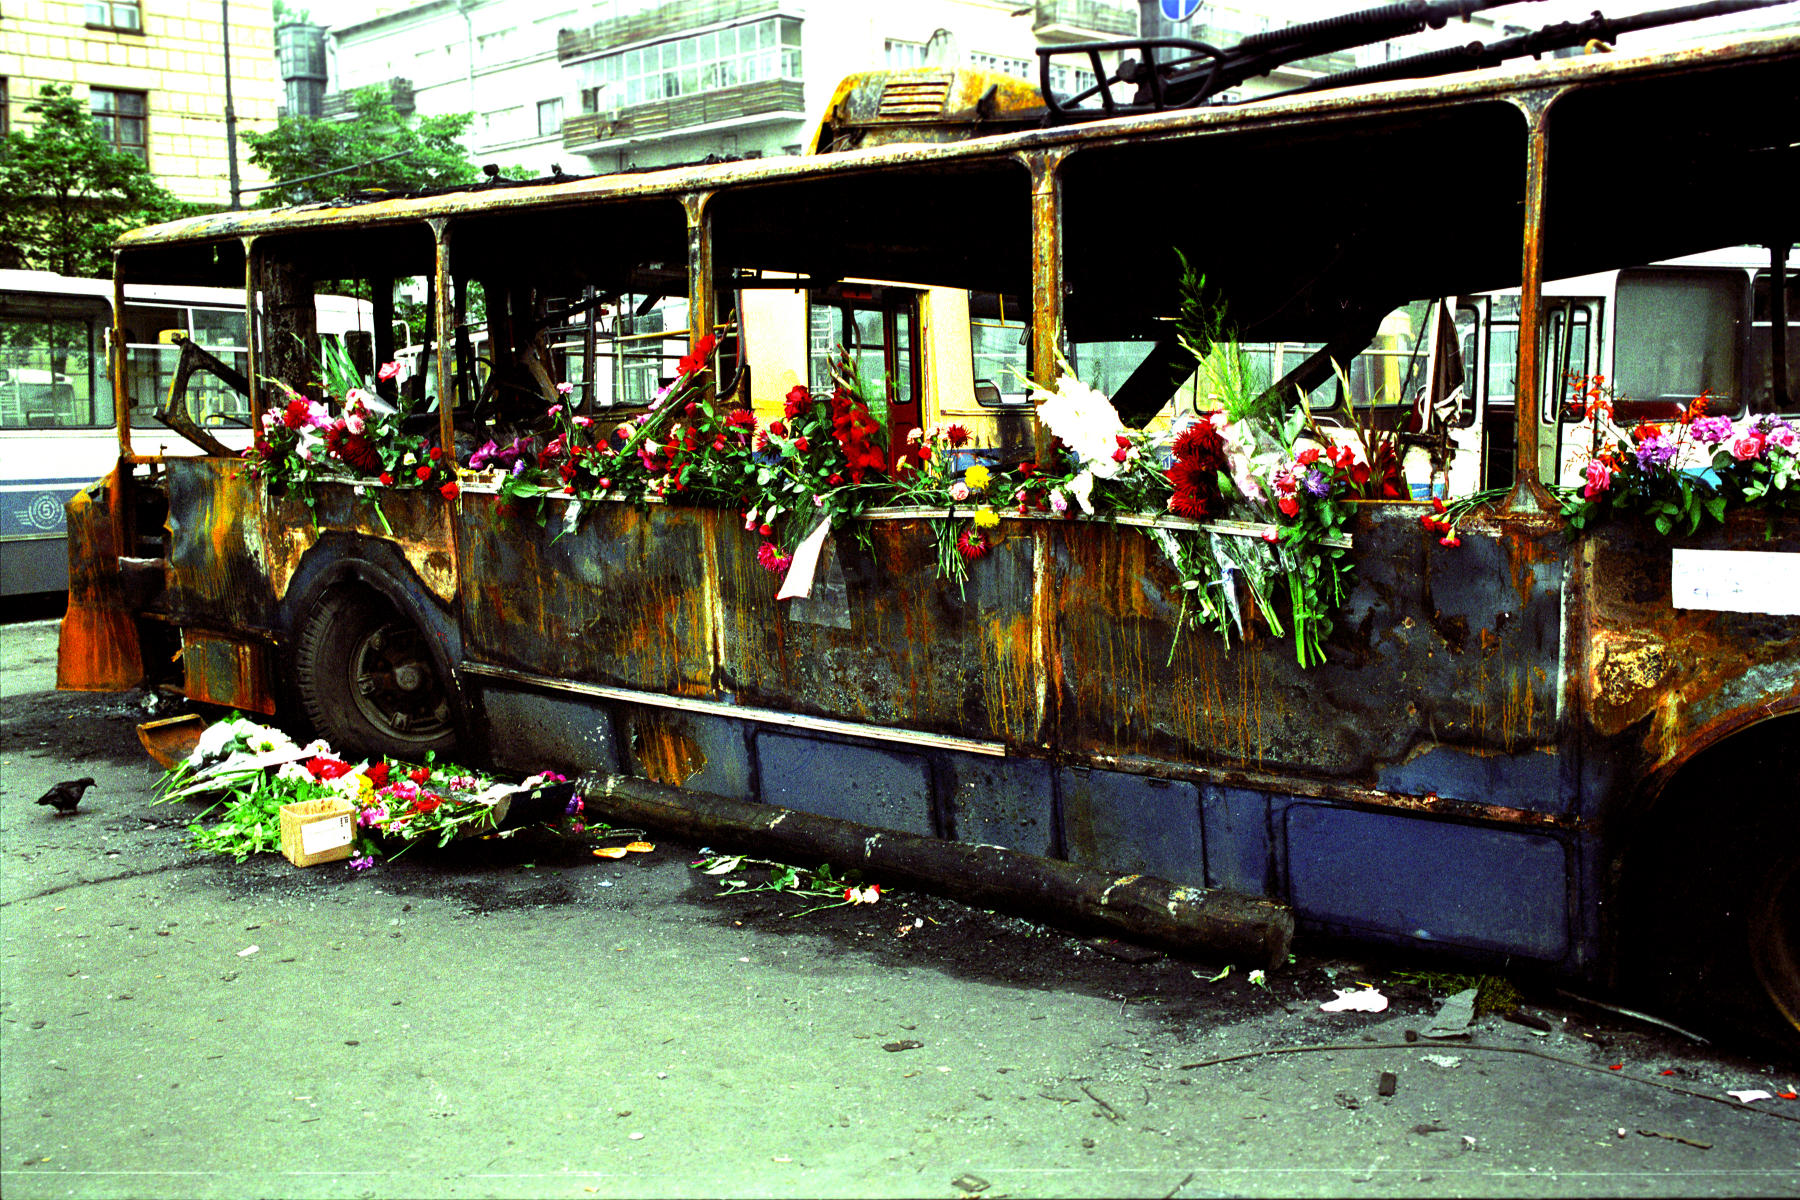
x: 56, y: 397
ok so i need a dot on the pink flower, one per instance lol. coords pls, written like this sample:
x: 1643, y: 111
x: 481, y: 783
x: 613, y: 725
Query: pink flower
x: 563, y: 389
x: 959, y: 490
x: 388, y: 371
x: 1599, y: 479
x: 1749, y: 446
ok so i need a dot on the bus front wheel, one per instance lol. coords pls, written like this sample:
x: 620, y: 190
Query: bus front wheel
x: 368, y: 681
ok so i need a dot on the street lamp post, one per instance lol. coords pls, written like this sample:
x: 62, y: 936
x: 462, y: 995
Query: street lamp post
x: 230, y: 113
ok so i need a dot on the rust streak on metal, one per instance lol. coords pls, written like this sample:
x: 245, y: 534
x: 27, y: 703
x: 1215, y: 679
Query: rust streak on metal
x: 666, y: 754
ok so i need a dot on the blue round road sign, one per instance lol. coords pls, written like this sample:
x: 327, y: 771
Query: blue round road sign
x: 1180, y: 10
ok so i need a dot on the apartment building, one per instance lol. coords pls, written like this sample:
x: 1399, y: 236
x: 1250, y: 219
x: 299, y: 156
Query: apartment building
x: 608, y: 84
x: 153, y: 73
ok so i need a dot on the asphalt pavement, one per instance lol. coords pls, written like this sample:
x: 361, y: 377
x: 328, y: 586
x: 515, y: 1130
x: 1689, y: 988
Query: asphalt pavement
x: 521, y: 1018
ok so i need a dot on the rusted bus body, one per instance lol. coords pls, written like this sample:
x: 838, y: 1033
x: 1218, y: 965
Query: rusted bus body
x: 1499, y: 726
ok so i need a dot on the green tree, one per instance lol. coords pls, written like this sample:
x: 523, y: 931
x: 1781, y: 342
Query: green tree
x: 430, y: 155
x: 66, y: 193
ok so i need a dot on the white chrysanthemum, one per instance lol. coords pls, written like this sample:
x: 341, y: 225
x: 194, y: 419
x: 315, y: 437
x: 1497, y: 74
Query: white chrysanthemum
x: 1085, y: 420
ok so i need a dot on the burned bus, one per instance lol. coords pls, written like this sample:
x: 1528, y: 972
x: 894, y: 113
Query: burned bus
x: 639, y: 537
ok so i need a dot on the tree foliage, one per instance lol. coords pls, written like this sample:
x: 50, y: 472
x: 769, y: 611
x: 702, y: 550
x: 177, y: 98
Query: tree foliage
x: 66, y: 193
x: 431, y: 155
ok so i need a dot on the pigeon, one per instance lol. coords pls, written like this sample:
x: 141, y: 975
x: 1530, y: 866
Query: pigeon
x: 67, y: 794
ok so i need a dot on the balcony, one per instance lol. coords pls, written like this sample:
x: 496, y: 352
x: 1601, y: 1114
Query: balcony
x: 658, y: 21
x: 1054, y: 21
x: 398, y: 92
x: 785, y: 97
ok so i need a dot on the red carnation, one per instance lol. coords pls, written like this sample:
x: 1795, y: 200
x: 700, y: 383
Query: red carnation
x: 423, y: 472
x: 449, y: 490
x: 957, y: 436
x: 377, y: 774
x: 797, y: 401
x: 427, y: 802
x: 697, y: 360
x: 419, y: 774
x: 326, y: 768
x: 297, y: 414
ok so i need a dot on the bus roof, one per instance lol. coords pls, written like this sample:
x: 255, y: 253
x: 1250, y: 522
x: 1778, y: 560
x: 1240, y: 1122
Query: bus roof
x: 1288, y: 205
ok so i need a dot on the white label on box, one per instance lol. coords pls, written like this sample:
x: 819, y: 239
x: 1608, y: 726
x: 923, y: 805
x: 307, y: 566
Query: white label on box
x: 316, y: 837
x: 1746, y: 581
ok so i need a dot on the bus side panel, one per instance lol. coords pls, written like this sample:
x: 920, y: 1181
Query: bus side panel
x: 98, y: 649
x: 882, y: 640
x: 620, y: 600
x: 1668, y: 675
x: 415, y: 521
x: 1442, y: 673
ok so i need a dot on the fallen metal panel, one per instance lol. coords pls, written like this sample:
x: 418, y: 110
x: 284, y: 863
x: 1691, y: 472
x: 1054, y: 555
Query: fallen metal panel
x: 226, y: 671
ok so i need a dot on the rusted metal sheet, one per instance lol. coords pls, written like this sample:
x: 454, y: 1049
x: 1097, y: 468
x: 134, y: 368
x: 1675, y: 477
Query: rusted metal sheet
x: 227, y: 671
x: 1663, y: 683
x: 884, y: 641
x: 622, y: 600
x: 417, y: 522
x: 1433, y: 647
x: 98, y: 648
x: 218, y: 570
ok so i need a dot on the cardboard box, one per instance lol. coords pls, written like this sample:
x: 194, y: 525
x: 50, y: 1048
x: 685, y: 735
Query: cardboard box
x: 317, y: 831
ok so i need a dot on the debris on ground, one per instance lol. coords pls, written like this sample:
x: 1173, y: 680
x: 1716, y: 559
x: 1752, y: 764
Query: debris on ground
x: 1453, y: 1016
x: 1448, y: 1062
x: 1365, y: 999
x: 1750, y: 1095
x: 1673, y: 1138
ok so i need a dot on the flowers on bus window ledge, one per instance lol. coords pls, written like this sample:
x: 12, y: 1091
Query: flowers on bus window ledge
x: 353, y: 436
x: 1684, y: 472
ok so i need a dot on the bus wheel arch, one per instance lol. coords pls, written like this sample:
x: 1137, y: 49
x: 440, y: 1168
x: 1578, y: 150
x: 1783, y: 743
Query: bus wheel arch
x: 372, y: 652
x: 1708, y: 886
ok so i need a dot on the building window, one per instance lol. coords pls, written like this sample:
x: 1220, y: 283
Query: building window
x: 122, y: 119
x: 549, y: 117
x: 905, y: 56
x: 5, y: 108
x: 115, y: 14
x: 722, y: 58
x: 1064, y: 80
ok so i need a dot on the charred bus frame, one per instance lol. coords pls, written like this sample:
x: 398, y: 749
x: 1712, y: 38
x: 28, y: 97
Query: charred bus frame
x: 1522, y: 750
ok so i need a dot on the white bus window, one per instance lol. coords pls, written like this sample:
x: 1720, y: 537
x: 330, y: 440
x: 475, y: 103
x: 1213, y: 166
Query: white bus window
x: 999, y: 350
x: 53, y: 363
x: 1679, y: 335
x: 1761, y: 379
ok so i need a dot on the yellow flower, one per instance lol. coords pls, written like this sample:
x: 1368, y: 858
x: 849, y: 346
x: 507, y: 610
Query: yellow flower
x: 985, y: 516
x: 976, y: 477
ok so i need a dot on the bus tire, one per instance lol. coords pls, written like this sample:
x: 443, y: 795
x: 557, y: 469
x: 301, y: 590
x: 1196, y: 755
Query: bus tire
x: 1711, y: 893
x: 367, y: 680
